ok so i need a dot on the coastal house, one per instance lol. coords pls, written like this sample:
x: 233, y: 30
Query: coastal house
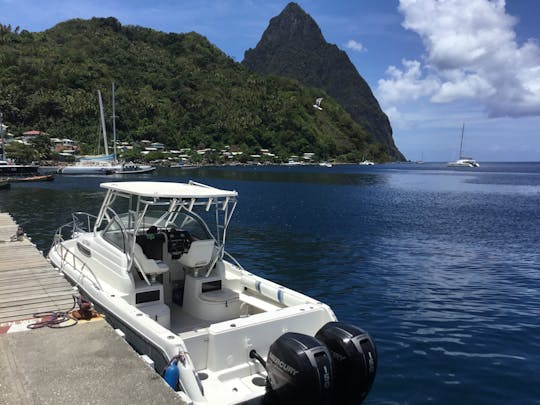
x: 64, y: 146
x: 29, y: 136
x: 157, y: 145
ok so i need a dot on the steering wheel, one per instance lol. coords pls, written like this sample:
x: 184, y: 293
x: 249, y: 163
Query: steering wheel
x: 179, y: 242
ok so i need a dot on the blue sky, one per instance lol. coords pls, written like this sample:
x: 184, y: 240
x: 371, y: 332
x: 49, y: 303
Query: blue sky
x: 433, y: 65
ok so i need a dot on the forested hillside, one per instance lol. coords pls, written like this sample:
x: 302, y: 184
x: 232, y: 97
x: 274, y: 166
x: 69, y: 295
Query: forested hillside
x: 177, y: 89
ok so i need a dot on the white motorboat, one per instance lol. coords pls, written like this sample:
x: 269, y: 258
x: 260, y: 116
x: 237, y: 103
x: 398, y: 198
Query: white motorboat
x: 463, y: 161
x: 101, y: 164
x: 132, y: 168
x: 150, y: 262
x: 366, y: 163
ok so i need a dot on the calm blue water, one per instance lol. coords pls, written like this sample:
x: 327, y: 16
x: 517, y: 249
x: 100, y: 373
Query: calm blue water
x: 441, y: 266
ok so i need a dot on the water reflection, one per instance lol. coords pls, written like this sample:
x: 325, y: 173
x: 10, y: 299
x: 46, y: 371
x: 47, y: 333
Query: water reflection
x: 345, y: 175
x: 441, y: 267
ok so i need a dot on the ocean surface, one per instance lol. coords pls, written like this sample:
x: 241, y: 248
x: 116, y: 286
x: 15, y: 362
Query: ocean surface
x: 441, y: 266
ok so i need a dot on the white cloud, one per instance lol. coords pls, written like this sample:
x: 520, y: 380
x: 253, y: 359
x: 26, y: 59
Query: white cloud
x: 407, y: 82
x: 355, y: 46
x: 398, y: 119
x: 471, y: 53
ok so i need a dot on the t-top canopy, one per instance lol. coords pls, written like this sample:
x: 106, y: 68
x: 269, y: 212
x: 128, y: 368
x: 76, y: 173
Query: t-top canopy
x: 163, y: 189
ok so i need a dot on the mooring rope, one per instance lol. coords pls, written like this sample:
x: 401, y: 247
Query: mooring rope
x: 54, y: 319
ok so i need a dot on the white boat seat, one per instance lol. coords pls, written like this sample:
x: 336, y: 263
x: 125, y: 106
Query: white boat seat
x: 199, y: 254
x: 148, y: 266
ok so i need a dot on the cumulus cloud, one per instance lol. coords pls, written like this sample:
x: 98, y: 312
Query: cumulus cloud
x: 355, y: 46
x: 406, y: 82
x: 471, y: 53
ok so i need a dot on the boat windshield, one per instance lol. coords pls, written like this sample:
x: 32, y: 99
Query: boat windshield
x: 180, y: 220
x: 124, y: 215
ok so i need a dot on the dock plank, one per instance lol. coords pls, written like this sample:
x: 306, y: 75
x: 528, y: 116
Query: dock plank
x: 28, y: 282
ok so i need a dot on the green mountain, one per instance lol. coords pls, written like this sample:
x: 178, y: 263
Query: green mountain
x: 293, y: 46
x: 177, y: 89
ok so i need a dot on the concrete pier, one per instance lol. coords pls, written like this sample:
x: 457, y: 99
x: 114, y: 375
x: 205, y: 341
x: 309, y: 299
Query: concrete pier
x: 84, y: 364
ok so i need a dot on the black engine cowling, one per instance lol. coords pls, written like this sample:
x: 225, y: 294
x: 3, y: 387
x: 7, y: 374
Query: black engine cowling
x: 299, y: 370
x: 354, y: 360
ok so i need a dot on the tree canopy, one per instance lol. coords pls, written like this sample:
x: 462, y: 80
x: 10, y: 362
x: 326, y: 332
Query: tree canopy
x: 177, y: 89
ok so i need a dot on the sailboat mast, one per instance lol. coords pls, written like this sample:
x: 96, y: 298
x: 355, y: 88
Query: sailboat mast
x: 103, y: 123
x: 1, y: 137
x: 461, y: 144
x: 113, y: 124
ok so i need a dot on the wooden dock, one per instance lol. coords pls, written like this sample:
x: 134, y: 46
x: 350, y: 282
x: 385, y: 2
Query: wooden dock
x: 28, y: 284
x: 87, y: 363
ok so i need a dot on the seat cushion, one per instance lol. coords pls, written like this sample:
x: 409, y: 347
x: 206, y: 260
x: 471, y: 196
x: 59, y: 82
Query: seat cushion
x: 225, y: 294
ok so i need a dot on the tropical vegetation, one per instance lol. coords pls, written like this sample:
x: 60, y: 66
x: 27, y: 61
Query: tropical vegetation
x: 177, y: 89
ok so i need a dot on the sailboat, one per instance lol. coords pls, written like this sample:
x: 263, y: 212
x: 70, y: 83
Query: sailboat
x: 129, y: 167
x: 366, y: 162
x: 463, y: 161
x: 94, y: 164
x: 107, y: 163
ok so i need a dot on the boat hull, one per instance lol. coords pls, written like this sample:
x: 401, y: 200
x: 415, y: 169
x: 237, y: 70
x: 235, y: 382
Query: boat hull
x: 463, y: 163
x: 45, y: 177
x: 18, y: 170
x: 217, y: 351
x: 85, y: 170
x: 133, y: 169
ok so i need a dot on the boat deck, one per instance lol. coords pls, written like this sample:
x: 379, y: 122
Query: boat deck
x: 185, y: 324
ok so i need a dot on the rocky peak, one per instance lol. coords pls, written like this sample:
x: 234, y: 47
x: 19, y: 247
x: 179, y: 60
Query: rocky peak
x: 294, y: 27
x: 293, y: 46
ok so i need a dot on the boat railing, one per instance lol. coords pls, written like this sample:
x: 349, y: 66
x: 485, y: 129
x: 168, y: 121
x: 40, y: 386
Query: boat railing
x: 68, y: 257
x: 82, y: 222
x: 235, y: 262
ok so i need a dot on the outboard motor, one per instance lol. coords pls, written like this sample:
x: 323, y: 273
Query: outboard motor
x: 299, y: 369
x: 354, y: 360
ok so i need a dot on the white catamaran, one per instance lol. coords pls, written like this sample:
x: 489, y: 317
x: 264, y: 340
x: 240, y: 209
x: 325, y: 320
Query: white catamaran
x: 219, y: 334
x: 463, y: 161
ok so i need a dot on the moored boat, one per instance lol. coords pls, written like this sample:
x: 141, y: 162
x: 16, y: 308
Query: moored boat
x: 12, y: 169
x: 463, y: 161
x: 44, y: 177
x: 107, y: 163
x: 132, y: 168
x: 86, y: 168
x: 150, y: 261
